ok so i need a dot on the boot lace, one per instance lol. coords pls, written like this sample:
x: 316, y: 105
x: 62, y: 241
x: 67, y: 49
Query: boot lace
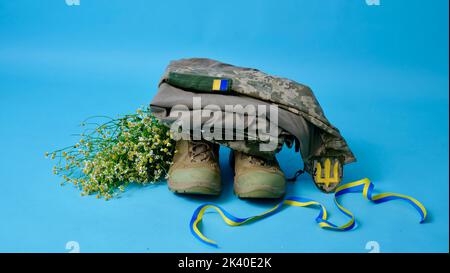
x: 200, y: 151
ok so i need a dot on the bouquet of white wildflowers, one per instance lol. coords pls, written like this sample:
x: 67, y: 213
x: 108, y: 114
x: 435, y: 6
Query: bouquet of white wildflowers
x: 134, y: 148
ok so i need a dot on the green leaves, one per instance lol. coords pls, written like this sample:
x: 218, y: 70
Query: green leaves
x: 134, y: 148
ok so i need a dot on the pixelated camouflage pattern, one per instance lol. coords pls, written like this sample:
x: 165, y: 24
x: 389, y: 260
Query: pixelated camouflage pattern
x: 286, y: 93
x: 246, y: 146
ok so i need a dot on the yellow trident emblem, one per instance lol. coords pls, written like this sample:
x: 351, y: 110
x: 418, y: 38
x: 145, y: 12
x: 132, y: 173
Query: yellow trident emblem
x: 328, y: 176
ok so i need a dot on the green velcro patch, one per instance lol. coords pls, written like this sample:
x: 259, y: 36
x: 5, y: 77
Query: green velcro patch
x: 199, y: 83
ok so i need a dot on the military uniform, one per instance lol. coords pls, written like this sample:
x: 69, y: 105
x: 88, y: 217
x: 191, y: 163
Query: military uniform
x: 301, y: 119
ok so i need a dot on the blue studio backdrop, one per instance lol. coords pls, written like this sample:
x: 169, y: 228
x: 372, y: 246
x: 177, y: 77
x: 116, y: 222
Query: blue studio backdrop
x: 378, y: 68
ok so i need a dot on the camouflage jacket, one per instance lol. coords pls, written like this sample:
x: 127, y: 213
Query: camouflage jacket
x: 287, y: 94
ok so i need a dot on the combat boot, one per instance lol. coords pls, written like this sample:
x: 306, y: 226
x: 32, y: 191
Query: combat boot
x: 256, y: 177
x: 195, y: 168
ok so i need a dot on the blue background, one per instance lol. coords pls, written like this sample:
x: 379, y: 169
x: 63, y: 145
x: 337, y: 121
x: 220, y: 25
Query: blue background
x: 379, y: 72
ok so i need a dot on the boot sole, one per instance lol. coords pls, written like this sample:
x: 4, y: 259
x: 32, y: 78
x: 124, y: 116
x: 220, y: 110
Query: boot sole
x: 266, y: 192
x: 192, y: 189
x: 259, y: 194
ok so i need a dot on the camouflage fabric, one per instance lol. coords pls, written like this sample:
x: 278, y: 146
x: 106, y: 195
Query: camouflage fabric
x: 250, y: 143
x: 287, y: 94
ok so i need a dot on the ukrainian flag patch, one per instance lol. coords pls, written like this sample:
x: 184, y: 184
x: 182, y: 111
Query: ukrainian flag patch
x: 220, y: 85
x: 199, y: 83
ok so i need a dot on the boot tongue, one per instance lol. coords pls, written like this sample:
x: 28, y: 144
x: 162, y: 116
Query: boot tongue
x: 200, y: 151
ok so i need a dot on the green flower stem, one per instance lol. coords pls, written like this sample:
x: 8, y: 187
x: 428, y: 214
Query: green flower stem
x: 115, y: 153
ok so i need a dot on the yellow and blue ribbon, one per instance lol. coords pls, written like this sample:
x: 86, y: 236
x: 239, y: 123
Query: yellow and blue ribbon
x: 363, y: 186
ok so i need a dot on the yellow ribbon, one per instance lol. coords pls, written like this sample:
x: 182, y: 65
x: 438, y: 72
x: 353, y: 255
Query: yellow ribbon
x: 364, y: 186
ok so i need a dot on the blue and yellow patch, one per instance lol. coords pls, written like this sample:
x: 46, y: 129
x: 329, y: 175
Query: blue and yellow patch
x: 220, y: 85
x: 199, y: 83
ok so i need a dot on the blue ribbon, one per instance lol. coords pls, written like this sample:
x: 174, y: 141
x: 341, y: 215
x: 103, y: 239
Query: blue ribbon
x: 363, y: 186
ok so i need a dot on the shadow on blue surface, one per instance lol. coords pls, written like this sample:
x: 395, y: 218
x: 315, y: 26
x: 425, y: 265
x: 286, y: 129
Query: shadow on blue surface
x: 380, y: 73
